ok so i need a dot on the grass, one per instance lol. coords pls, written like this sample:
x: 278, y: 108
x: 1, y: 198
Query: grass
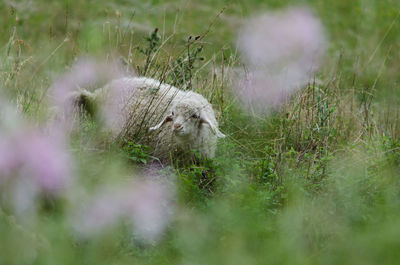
x: 315, y: 182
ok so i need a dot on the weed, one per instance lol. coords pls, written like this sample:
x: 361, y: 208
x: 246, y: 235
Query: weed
x: 315, y: 182
x: 153, y: 42
x: 184, y: 66
x: 137, y: 153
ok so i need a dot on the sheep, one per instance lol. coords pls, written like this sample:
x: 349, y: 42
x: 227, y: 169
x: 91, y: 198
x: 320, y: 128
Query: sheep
x: 170, y: 120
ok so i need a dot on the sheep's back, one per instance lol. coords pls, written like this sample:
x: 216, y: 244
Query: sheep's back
x: 136, y: 104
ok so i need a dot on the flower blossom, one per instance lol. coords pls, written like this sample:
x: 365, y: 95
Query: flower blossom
x: 281, y: 50
x: 145, y: 203
x: 32, y: 162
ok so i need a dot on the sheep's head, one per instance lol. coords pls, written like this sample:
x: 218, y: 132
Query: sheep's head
x: 187, y: 118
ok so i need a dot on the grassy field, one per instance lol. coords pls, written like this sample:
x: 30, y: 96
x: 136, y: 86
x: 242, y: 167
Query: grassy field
x: 314, y: 182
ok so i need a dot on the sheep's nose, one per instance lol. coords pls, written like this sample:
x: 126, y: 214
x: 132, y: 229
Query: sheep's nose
x: 177, y: 126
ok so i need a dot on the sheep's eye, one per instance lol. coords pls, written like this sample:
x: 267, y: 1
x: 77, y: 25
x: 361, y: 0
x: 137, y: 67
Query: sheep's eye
x: 194, y: 116
x: 172, y: 113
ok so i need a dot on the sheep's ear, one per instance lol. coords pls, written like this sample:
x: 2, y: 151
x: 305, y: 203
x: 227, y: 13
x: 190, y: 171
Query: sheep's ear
x: 214, y: 128
x: 158, y: 126
x: 220, y: 134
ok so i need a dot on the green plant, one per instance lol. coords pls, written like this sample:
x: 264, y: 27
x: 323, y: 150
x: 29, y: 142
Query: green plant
x: 185, y: 64
x: 314, y: 182
x: 137, y: 153
x: 153, y: 42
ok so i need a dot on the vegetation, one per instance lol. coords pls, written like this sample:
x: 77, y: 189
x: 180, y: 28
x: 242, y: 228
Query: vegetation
x: 314, y: 182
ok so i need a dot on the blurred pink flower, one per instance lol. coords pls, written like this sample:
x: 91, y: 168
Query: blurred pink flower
x: 115, y: 108
x: 35, y: 155
x: 149, y: 209
x: 32, y: 162
x: 85, y: 74
x: 282, y: 50
x: 100, y: 213
x: 82, y: 74
x: 45, y: 158
x: 147, y: 204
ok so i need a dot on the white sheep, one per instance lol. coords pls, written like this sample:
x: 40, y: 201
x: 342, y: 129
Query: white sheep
x: 170, y: 120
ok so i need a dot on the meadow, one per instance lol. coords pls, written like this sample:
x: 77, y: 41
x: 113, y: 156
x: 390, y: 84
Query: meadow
x: 315, y: 181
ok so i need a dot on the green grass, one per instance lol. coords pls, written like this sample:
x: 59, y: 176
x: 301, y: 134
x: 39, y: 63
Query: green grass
x: 315, y: 182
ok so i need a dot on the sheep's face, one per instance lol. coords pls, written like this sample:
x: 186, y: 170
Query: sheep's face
x: 185, y: 120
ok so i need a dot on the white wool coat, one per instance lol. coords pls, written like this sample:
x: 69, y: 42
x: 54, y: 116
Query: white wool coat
x: 145, y: 110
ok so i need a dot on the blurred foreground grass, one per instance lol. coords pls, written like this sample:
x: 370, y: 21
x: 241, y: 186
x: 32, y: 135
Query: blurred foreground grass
x: 316, y: 182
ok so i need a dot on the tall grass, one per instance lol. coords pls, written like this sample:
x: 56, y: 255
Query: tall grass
x: 315, y: 181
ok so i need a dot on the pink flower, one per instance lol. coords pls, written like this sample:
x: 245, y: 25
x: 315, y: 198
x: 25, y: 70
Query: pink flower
x: 85, y: 74
x: 82, y: 74
x: 147, y: 204
x: 45, y: 158
x: 149, y: 208
x: 32, y: 162
x: 33, y: 154
x: 282, y: 50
